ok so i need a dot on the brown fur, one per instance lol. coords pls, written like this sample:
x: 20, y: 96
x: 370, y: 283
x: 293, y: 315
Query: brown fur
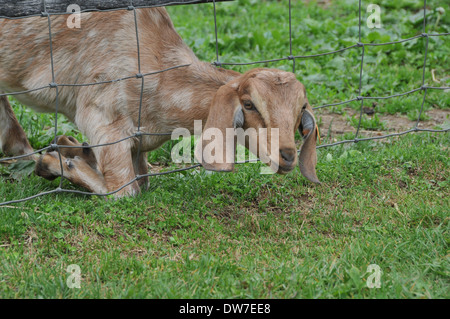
x: 106, y: 49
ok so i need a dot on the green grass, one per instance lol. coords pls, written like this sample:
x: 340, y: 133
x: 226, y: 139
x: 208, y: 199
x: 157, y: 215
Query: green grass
x: 259, y: 30
x: 247, y: 235
x: 244, y: 234
x: 369, y: 123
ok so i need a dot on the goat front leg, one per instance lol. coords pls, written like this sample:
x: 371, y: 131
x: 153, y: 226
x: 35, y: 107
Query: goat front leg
x: 13, y: 140
x: 80, y: 166
x: 76, y: 149
x: 109, y: 131
x: 115, y: 160
x: 76, y: 170
x: 140, y: 165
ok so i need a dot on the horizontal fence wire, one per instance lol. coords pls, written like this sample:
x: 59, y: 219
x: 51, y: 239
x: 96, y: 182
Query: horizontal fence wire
x: 291, y: 57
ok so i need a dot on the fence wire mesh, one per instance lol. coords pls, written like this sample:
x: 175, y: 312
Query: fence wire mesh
x: 291, y: 57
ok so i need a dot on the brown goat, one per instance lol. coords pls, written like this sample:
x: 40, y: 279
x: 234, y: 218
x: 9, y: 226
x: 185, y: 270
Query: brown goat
x: 105, y: 49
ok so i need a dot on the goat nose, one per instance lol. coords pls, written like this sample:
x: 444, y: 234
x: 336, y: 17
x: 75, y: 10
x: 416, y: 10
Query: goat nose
x: 288, y: 155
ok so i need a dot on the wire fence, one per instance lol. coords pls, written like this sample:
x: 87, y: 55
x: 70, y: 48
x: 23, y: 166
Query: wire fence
x: 291, y: 57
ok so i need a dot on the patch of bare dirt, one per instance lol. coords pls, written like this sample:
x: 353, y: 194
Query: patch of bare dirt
x: 338, y: 124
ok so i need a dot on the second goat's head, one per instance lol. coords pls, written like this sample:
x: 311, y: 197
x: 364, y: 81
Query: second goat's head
x: 261, y: 99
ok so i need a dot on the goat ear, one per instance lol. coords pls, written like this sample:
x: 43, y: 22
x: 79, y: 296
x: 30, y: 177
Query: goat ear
x: 307, y: 159
x: 217, y: 145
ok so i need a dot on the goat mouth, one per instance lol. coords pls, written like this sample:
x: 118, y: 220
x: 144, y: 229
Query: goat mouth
x: 283, y: 170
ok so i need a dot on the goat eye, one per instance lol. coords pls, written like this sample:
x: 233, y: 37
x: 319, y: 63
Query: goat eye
x: 304, y: 106
x: 248, y: 105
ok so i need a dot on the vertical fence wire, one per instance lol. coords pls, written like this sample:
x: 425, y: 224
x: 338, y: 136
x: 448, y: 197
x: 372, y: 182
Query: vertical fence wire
x: 53, y: 85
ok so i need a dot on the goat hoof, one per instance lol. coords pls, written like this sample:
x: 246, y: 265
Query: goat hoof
x: 76, y: 150
x: 47, y: 166
x: 69, y: 163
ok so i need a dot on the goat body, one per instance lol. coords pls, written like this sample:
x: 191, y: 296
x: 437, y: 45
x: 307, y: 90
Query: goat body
x: 105, y: 49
